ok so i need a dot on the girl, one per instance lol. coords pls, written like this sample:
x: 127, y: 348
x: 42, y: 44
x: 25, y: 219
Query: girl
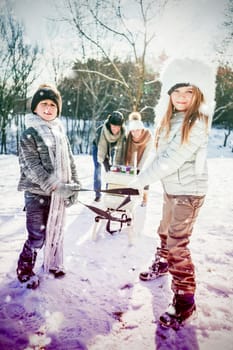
x: 138, y: 146
x: 184, y: 114
x: 50, y: 182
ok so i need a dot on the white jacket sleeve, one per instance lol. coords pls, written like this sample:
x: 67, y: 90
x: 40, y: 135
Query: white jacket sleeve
x: 174, y: 155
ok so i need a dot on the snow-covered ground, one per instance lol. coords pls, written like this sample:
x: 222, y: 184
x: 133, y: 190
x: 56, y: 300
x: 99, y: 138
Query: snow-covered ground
x: 101, y: 304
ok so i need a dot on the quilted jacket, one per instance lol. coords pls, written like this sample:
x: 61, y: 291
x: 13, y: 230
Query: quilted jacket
x: 182, y: 168
x: 36, y: 169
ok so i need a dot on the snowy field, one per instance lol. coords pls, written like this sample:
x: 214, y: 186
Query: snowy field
x: 101, y: 304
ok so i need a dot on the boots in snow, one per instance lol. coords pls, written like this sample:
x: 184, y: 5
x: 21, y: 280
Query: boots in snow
x: 57, y: 273
x: 179, y: 312
x: 157, y: 269
x: 25, y: 266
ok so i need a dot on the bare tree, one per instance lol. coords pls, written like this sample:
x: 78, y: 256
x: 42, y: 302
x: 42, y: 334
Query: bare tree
x: 89, y: 99
x: 100, y: 24
x: 17, y: 62
x: 228, y: 23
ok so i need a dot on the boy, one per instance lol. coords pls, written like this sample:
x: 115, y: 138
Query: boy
x: 50, y: 182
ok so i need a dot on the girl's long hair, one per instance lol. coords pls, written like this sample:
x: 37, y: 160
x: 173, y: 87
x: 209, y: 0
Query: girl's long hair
x: 191, y: 115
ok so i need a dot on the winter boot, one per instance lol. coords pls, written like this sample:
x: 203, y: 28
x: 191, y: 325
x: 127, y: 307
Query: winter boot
x: 57, y: 273
x: 181, y: 309
x: 26, y: 263
x: 157, y: 269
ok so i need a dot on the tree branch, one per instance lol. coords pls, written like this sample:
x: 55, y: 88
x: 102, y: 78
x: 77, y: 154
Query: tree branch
x: 123, y: 83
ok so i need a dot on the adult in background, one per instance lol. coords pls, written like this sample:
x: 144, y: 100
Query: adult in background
x: 138, y: 146
x: 108, y: 147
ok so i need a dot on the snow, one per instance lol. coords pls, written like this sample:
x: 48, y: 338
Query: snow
x: 100, y: 304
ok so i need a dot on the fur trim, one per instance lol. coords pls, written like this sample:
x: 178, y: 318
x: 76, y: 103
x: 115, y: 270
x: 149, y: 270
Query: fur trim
x: 190, y: 71
x: 135, y: 116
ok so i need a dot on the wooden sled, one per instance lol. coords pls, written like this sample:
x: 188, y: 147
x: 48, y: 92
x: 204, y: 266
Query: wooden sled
x: 119, y: 207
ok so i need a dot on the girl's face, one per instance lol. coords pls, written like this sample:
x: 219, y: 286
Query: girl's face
x: 182, y: 98
x: 136, y: 134
x: 46, y: 109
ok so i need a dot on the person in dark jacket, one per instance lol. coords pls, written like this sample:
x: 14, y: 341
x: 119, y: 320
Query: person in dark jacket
x: 108, y: 147
x: 49, y: 179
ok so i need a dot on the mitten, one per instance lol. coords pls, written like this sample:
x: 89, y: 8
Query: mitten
x: 67, y: 190
x: 135, y: 183
x: 106, y: 164
x: 71, y: 200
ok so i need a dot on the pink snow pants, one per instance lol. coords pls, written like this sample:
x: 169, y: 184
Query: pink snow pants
x: 178, y: 218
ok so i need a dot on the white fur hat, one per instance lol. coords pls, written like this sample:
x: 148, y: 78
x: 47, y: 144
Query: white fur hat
x: 135, y: 125
x: 135, y: 122
x: 187, y: 71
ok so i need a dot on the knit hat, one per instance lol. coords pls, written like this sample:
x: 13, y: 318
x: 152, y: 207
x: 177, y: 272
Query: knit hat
x: 116, y: 118
x: 187, y: 72
x: 135, y: 122
x: 47, y: 92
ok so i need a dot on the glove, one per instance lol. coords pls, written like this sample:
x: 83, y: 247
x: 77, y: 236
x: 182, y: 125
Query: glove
x: 67, y: 190
x: 71, y: 200
x: 106, y: 164
x: 135, y: 183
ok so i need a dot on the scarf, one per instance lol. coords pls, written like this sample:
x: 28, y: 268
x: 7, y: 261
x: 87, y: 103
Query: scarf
x: 136, y: 146
x: 104, y: 145
x: 54, y: 137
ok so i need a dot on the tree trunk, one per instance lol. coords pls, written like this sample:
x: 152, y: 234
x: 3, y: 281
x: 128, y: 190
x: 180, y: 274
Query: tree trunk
x: 227, y: 134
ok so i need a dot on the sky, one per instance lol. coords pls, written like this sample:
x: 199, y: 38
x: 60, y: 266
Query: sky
x: 192, y: 27
x: 186, y: 27
x: 101, y: 304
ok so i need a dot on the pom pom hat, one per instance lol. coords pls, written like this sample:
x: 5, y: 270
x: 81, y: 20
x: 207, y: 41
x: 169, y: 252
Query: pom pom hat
x: 47, y: 92
x: 187, y: 72
x: 135, y: 122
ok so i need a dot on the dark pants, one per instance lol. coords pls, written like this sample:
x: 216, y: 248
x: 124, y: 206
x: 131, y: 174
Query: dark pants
x: 97, y: 170
x: 37, y: 211
x: 176, y: 226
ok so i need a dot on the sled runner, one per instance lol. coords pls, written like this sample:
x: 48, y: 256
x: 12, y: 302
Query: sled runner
x: 119, y: 201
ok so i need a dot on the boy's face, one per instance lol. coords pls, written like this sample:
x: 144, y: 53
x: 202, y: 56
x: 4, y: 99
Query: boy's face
x: 46, y: 109
x: 115, y: 129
